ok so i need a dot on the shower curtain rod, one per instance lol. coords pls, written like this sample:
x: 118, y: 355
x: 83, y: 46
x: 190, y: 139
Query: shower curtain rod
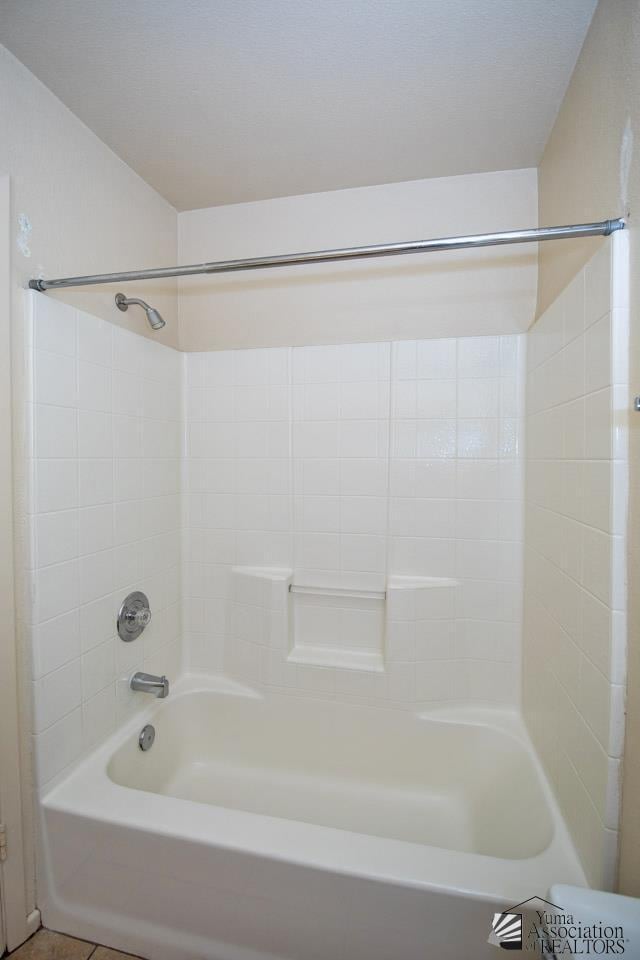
x: 600, y: 229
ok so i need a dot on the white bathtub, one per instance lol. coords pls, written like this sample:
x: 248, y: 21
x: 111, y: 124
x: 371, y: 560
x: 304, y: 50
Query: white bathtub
x: 272, y: 827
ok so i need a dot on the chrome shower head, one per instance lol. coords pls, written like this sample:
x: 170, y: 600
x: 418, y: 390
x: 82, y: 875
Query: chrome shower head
x: 154, y: 318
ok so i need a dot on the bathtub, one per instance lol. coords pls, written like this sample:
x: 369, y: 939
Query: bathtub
x: 267, y: 826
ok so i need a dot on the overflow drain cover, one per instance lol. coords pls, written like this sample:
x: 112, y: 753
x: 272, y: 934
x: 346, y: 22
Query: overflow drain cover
x: 147, y: 736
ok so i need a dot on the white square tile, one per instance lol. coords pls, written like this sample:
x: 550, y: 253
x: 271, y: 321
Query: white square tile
x: 127, y: 438
x: 127, y: 393
x: 574, y: 307
x: 364, y: 401
x: 55, y: 643
x: 56, y: 695
x: 477, y: 438
x: 404, y: 360
x: 597, y: 494
x: 95, y: 339
x: 477, y: 519
x: 361, y: 552
x: 98, y: 621
x: 318, y: 477
x: 478, y: 357
x: 96, y: 576
x: 320, y: 401
x: 317, y: 514
x: 404, y: 399
x: 364, y: 361
x: 56, y: 433
x: 598, y: 425
x: 363, y: 477
x: 478, y: 479
x: 479, y: 398
x: 99, y: 716
x: 401, y: 640
x: 58, y: 746
x: 362, y: 438
x: 95, y: 482
x: 598, y: 367
x: 421, y: 518
x: 572, y: 374
x: 316, y: 364
x: 55, y: 326
x: 477, y: 558
x: 598, y: 284
x: 363, y: 515
x: 594, y: 698
x: 436, y: 603
x: 316, y: 440
x: 56, y: 590
x: 511, y: 399
x: 434, y: 479
x: 250, y: 367
x: 129, y: 351
x: 436, y: 359
x: 278, y: 364
x: 95, y: 434
x: 56, y: 485
x: 250, y: 402
x: 574, y: 429
x: 318, y: 550
x: 404, y: 437
x: 422, y: 556
x: 98, y: 669
x: 435, y: 639
x: 436, y: 399
x: 55, y: 379
x: 435, y: 438
x: 94, y: 387
x: 56, y: 537
x: 437, y: 679
x: 620, y: 345
x: 95, y: 529
x: 512, y: 355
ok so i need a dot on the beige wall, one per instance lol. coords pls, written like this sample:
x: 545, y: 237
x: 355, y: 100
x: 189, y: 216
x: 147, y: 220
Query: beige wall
x: 89, y: 212
x: 589, y: 171
x: 466, y: 293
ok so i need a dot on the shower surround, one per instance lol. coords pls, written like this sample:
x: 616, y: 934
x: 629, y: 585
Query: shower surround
x: 331, y: 538
x: 387, y: 479
x: 103, y: 422
x: 348, y: 472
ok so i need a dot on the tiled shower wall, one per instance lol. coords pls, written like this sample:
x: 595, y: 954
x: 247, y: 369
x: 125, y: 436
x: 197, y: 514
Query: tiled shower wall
x: 348, y: 465
x: 575, y: 582
x: 104, y: 427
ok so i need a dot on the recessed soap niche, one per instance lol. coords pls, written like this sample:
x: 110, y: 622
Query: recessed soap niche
x: 329, y: 626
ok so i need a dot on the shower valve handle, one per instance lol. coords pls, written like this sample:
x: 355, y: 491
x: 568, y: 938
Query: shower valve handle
x: 139, y: 618
x: 134, y: 616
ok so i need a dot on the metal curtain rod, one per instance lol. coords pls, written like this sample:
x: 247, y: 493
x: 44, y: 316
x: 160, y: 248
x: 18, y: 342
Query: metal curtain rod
x: 601, y: 229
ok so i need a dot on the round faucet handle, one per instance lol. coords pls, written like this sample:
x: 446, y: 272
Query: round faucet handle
x: 134, y: 615
x: 141, y: 618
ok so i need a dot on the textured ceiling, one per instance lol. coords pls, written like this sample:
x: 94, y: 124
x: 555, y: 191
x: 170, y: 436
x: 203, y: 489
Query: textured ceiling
x: 221, y: 101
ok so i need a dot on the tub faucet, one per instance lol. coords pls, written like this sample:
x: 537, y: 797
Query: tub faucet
x: 148, y: 683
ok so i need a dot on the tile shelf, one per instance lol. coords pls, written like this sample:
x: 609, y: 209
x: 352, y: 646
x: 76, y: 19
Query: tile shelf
x: 340, y: 627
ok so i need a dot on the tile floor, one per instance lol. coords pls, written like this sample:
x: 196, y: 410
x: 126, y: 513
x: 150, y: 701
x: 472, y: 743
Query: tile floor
x: 46, y: 945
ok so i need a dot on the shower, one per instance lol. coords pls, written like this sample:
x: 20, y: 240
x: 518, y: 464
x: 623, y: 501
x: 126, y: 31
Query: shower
x: 153, y: 316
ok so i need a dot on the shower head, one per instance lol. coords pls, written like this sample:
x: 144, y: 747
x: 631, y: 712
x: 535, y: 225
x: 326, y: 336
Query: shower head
x: 154, y: 318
